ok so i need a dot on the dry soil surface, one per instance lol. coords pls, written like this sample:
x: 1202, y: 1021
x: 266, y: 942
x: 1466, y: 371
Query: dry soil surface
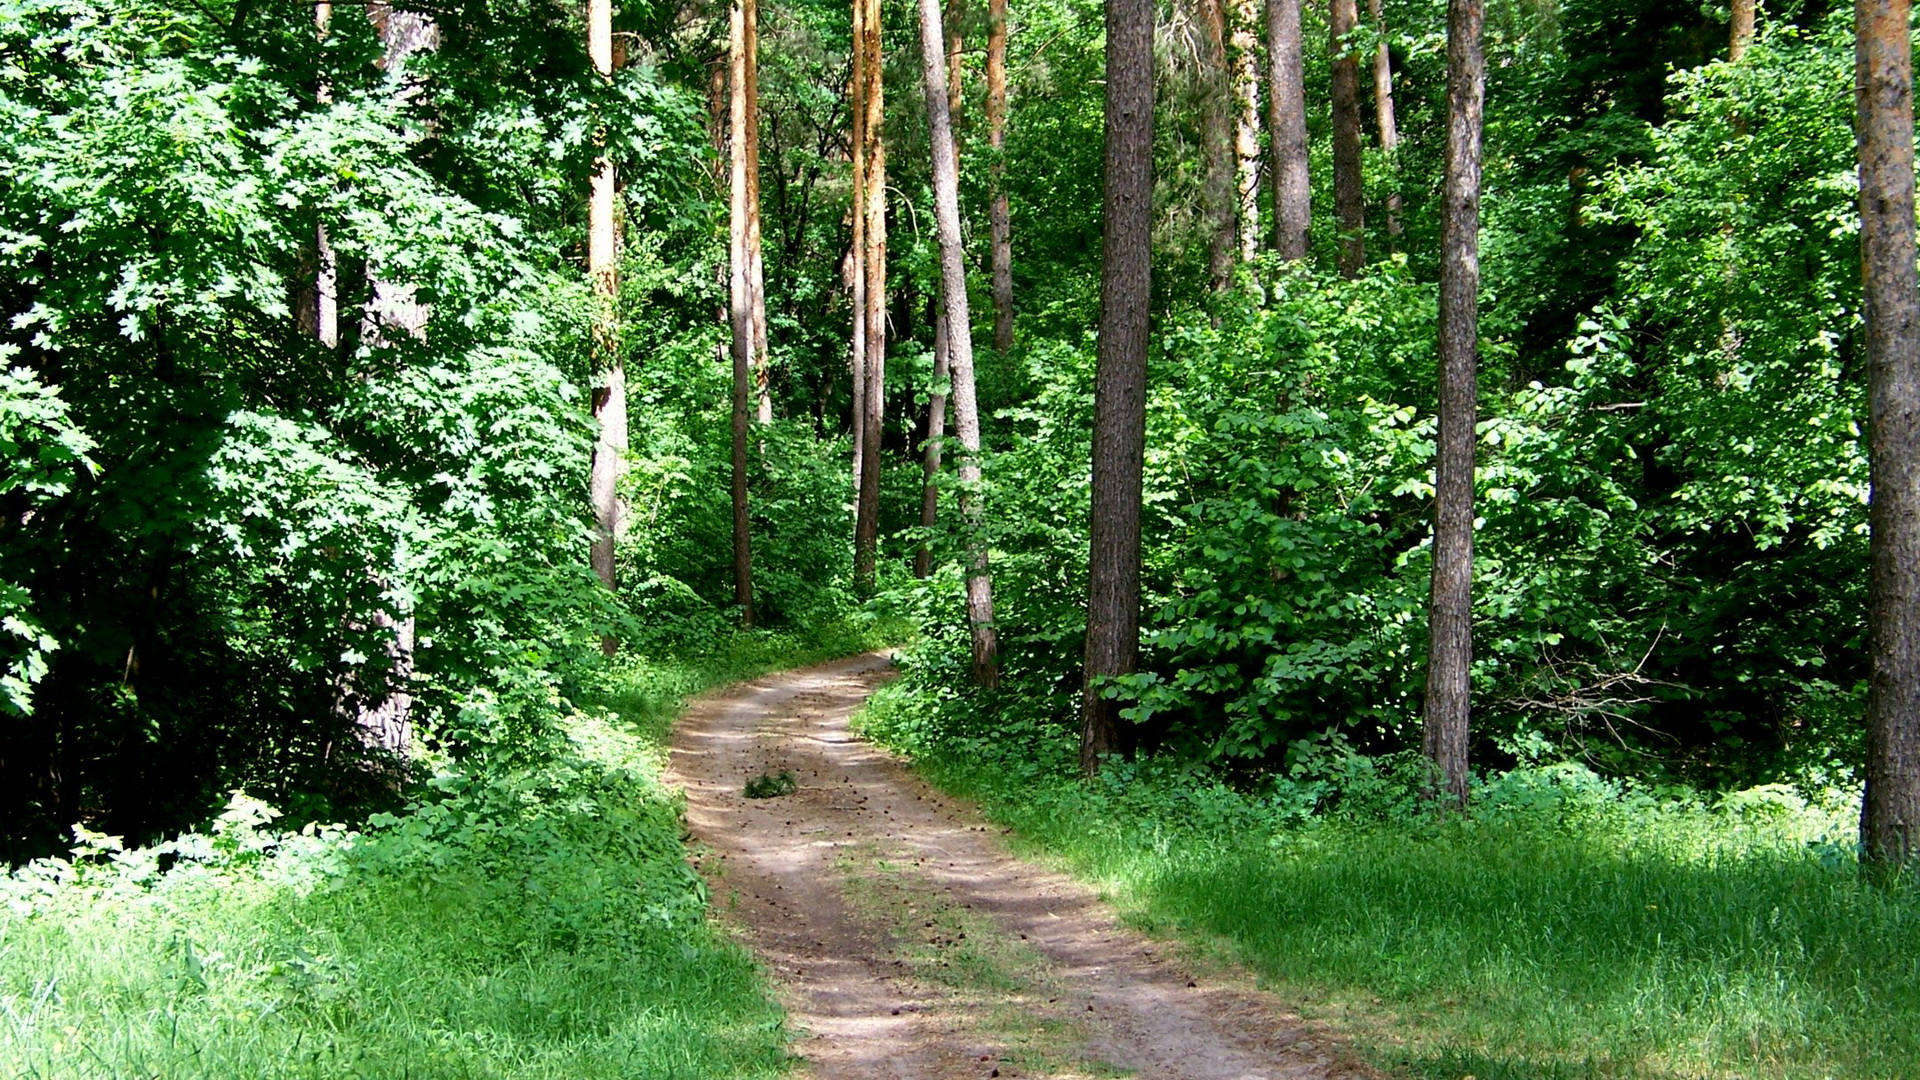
x: 905, y: 941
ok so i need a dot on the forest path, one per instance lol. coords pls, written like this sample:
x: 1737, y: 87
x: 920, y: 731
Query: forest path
x: 906, y: 942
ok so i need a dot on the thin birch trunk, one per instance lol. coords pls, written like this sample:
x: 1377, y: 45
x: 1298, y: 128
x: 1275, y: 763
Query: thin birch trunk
x: 936, y: 432
x: 1383, y: 113
x: 953, y: 294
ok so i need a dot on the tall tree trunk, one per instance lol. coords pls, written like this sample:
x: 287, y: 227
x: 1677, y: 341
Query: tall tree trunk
x: 866, y: 532
x: 318, y: 314
x: 953, y: 295
x: 936, y: 431
x: 740, y: 291
x: 1741, y: 32
x: 1216, y: 136
x: 1287, y: 122
x: 1120, y: 381
x: 1245, y: 47
x: 756, y: 264
x: 603, y: 480
x: 1000, y: 221
x: 1450, y: 616
x: 942, y: 335
x: 1349, y: 193
x: 857, y: 257
x: 1883, y: 96
x: 384, y: 719
x: 1383, y: 112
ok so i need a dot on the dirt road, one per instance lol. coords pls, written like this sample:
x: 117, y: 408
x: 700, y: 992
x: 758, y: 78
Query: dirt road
x: 907, y: 943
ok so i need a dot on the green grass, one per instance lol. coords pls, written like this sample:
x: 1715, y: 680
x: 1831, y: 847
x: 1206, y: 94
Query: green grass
x: 1569, y: 930
x: 543, y: 925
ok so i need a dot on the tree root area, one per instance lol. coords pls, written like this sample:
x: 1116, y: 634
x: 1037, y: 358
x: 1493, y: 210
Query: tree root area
x: 906, y: 942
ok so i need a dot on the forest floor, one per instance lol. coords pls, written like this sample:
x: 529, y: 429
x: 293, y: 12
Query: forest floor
x: 904, y: 939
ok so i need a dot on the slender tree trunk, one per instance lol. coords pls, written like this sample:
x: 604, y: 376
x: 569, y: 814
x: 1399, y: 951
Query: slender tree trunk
x: 937, y: 395
x: 740, y: 291
x: 1120, y: 381
x: 1741, y: 32
x: 1450, y: 655
x: 1287, y: 121
x: 866, y: 533
x: 1383, y: 112
x: 756, y: 264
x: 603, y: 480
x: 1000, y: 221
x: 1216, y: 135
x: 953, y: 294
x: 936, y: 432
x: 1349, y: 194
x: 318, y: 314
x: 857, y: 257
x: 1245, y: 49
x: 1883, y: 96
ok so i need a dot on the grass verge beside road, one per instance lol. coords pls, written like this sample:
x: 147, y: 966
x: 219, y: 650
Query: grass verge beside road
x: 1570, y: 928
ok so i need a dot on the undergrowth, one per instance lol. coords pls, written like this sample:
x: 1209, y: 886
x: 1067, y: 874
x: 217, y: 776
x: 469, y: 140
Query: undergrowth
x: 541, y: 923
x: 1570, y: 926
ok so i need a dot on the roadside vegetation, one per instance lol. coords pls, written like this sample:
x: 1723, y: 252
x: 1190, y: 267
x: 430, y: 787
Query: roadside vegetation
x: 1568, y: 926
x: 538, y: 921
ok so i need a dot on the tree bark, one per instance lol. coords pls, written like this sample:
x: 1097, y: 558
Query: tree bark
x: 1883, y: 98
x: 756, y: 264
x: 1216, y: 136
x: 1383, y: 113
x: 1740, y: 34
x: 1000, y: 221
x: 1349, y: 193
x: 1120, y: 381
x: 866, y: 532
x: 740, y: 292
x: 1450, y: 616
x: 936, y: 431
x: 1244, y: 45
x: 318, y: 314
x: 1287, y: 121
x: 857, y: 256
x: 953, y: 296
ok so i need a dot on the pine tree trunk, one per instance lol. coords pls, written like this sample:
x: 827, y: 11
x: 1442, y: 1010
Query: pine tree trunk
x: 1349, y: 192
x: 1244, y: 41
x: 866, y: 531
x: 1383, y: 112
x: 1216, y: 135
x: 1450, y: 655
x: 1120, y: 381
x: 1883, y: 96
x: 1741, y: 32
x: 953, y: 295
x: 1287, y: 121
x: 999, y: 218
x: 756, y: 263
x: 740, y: 292
x: 857, y: 256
